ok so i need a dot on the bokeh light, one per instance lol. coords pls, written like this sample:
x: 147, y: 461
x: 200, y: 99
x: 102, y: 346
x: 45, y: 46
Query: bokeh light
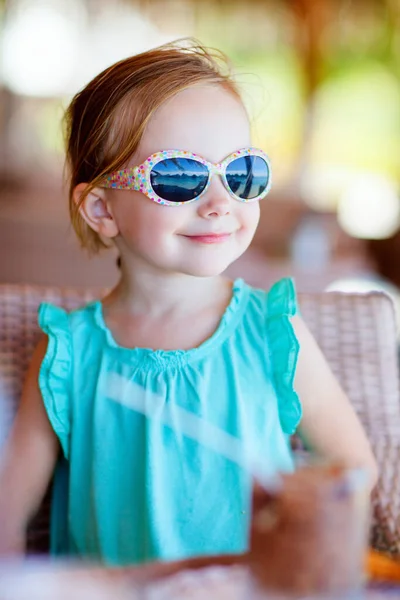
x: 370, y: 207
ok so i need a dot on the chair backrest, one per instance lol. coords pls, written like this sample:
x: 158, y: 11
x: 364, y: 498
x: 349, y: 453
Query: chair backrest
x: 357, y: 334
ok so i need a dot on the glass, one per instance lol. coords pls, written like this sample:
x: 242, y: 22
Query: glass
x: 183, y: 179
x: 179, y: 179
x: 247, y: 176
x: 309, y: 535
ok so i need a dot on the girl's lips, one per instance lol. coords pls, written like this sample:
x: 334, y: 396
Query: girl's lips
x: 211, y: 238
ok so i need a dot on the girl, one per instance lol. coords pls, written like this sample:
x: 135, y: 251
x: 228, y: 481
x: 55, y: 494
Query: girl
x: 165, y: 396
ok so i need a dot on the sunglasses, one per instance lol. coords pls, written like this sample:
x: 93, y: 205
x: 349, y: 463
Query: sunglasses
x: 175, y: 177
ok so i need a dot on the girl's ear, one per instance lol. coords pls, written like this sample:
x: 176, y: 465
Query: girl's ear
x: 96, y: 210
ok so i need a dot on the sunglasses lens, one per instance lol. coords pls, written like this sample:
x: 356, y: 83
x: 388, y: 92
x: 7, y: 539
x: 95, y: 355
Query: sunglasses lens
x: 248, y: 176
x: 179, y: 179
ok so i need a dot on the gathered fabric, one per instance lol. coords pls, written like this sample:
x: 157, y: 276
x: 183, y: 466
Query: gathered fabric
x: 160, y: 447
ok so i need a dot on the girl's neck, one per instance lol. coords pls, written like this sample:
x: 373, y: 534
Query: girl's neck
x: 146, y: 291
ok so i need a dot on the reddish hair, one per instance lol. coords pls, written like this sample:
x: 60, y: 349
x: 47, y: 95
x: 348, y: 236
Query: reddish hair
x: 106, y: 120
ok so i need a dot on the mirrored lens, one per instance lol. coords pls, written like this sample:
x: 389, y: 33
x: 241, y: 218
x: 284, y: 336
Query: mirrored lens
x: 247, y: 176
x: 179, y: 179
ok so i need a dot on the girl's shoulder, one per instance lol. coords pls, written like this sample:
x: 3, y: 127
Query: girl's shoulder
x: 71, y: 331
x: 268, y: 332
x: 52, y: 315
x: 277, y: 301
x: 71, y: 341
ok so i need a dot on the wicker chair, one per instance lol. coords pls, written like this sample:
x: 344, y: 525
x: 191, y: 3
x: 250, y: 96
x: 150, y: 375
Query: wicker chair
x: 357, y: 333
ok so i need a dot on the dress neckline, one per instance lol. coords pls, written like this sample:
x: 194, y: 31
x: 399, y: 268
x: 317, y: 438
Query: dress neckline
x: 163, y: 358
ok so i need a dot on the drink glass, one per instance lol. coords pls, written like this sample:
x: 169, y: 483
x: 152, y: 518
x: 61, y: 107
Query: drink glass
x: 309, y: 535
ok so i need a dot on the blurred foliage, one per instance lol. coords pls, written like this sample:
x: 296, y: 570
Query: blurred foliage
x: 341, y: 57
x: 320, y: 77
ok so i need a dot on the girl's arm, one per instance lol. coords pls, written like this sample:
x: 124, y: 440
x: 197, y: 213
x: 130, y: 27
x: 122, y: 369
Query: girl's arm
x: 27, y: 463
x: 330, y: 426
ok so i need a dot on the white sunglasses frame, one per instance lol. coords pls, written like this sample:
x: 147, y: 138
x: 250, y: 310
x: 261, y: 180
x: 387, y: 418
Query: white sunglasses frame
x: 138, y: 178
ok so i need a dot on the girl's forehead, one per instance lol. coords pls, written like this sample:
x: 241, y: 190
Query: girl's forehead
x: 207, y: 120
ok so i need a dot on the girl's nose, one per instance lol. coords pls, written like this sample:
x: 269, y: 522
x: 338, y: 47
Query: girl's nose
x: 216, y: 202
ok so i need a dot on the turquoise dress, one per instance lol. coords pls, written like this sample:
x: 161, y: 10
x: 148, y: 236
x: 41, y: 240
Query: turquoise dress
x: 159, y: 447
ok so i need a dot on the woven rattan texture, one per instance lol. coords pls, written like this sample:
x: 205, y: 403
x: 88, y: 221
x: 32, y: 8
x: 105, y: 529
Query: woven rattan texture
x: 356, y: 333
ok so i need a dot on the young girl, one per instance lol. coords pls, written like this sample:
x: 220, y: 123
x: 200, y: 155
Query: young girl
x: 164, y: 397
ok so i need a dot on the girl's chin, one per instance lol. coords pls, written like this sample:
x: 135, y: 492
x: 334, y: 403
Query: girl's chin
x: 207, y: 270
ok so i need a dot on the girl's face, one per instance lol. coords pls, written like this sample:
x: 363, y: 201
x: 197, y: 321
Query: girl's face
x: 204, y: 237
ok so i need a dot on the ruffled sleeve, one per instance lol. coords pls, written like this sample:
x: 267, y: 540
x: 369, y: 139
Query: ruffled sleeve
x: 55, y: 371
x: 284, y: 351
